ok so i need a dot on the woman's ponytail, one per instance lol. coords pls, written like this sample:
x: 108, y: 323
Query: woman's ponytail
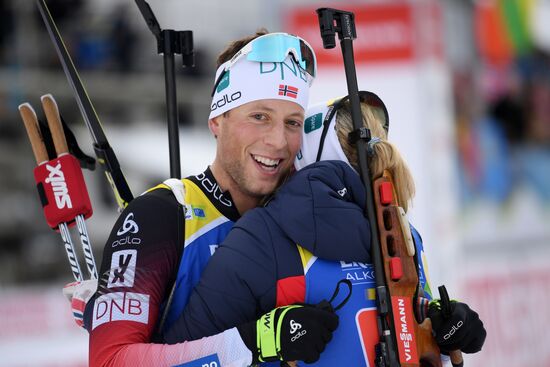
x: 386, y: 155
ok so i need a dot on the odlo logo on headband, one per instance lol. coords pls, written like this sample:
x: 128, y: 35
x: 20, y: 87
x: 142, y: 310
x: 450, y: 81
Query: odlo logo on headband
x: 226, y: 98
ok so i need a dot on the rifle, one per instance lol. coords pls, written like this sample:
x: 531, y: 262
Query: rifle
x: 403, y: 341
x: 415, y: 345
x: 169, y: 43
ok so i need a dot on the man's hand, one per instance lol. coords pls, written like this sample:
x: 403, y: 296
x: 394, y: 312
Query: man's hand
x: 461, y: 330
x: 289, y: 333
x: 78, y: 293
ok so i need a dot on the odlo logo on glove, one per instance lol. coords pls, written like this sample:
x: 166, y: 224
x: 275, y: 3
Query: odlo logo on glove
x: 290, y: 333
x: 454, y: 329
x: 294, y: 326
x: 461, y: 329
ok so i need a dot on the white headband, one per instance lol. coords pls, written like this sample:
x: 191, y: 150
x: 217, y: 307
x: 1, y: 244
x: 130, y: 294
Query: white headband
x: 311, y: 138
x: 248, y: 81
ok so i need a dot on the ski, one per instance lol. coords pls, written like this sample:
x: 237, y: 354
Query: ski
x: 103, y: 150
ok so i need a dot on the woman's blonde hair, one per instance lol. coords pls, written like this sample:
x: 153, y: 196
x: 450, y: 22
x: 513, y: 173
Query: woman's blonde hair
x: 386, y: 157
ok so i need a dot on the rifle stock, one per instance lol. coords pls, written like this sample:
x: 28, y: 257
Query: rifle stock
x: 416, y: 345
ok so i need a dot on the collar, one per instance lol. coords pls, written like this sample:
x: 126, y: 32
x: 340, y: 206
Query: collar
x: 221, y: 200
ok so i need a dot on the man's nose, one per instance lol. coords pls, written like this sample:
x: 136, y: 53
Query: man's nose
x: 276, y: 136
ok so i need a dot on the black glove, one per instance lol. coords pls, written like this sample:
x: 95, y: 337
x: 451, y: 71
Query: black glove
x: 289, y: 333
x: 460, y: 330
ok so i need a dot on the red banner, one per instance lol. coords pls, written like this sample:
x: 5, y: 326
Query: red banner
x: 385, y: 32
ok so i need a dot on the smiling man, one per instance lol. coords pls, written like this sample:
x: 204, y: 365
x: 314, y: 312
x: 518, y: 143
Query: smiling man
x: 257, y: 112
x: 256, y: 145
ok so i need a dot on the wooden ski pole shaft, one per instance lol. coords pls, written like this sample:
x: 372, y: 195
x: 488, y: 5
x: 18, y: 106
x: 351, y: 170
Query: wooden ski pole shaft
x: 56, y: 128
x: 37, y: 142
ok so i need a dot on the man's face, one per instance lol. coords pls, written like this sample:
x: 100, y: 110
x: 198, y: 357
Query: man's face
x: 256, y: 146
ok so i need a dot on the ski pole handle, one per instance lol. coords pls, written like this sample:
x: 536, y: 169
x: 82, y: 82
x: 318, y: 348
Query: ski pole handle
x: 54, y: 123
x: 289, y: 364
x: 31, y: 125
x: 456, y: 355
x: 456, y: 358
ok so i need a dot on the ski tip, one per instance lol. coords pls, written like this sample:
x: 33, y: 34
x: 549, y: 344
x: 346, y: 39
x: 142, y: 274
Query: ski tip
x: 27, y: 106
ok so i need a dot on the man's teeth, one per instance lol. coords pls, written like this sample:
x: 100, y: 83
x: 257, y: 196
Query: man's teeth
x: 266, y: 161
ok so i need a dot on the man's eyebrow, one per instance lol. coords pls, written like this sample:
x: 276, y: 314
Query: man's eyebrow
x: 297, y: 113
x: 265, y: 108
x: 269, y: 109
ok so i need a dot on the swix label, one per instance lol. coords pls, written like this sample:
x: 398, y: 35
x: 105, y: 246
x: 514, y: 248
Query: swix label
x: 404, y: 327
x: 62, y: 190
x: 121, y: 306
x: 56, y: 179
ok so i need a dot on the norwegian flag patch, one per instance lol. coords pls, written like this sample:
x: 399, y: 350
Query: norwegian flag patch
x: 288, y: 91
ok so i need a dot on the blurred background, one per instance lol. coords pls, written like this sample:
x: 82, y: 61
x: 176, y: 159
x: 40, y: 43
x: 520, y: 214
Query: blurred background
x: 467, y: 85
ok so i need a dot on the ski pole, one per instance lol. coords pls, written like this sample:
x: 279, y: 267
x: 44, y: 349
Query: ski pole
x: 60, y: 184
x: 31, y: 125
x: 54, y: 122
x: 456, y: 355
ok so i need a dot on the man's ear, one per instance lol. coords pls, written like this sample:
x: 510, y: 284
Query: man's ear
x: 214, y: 125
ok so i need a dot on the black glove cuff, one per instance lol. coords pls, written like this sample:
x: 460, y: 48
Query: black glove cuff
x: 248, y: 335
